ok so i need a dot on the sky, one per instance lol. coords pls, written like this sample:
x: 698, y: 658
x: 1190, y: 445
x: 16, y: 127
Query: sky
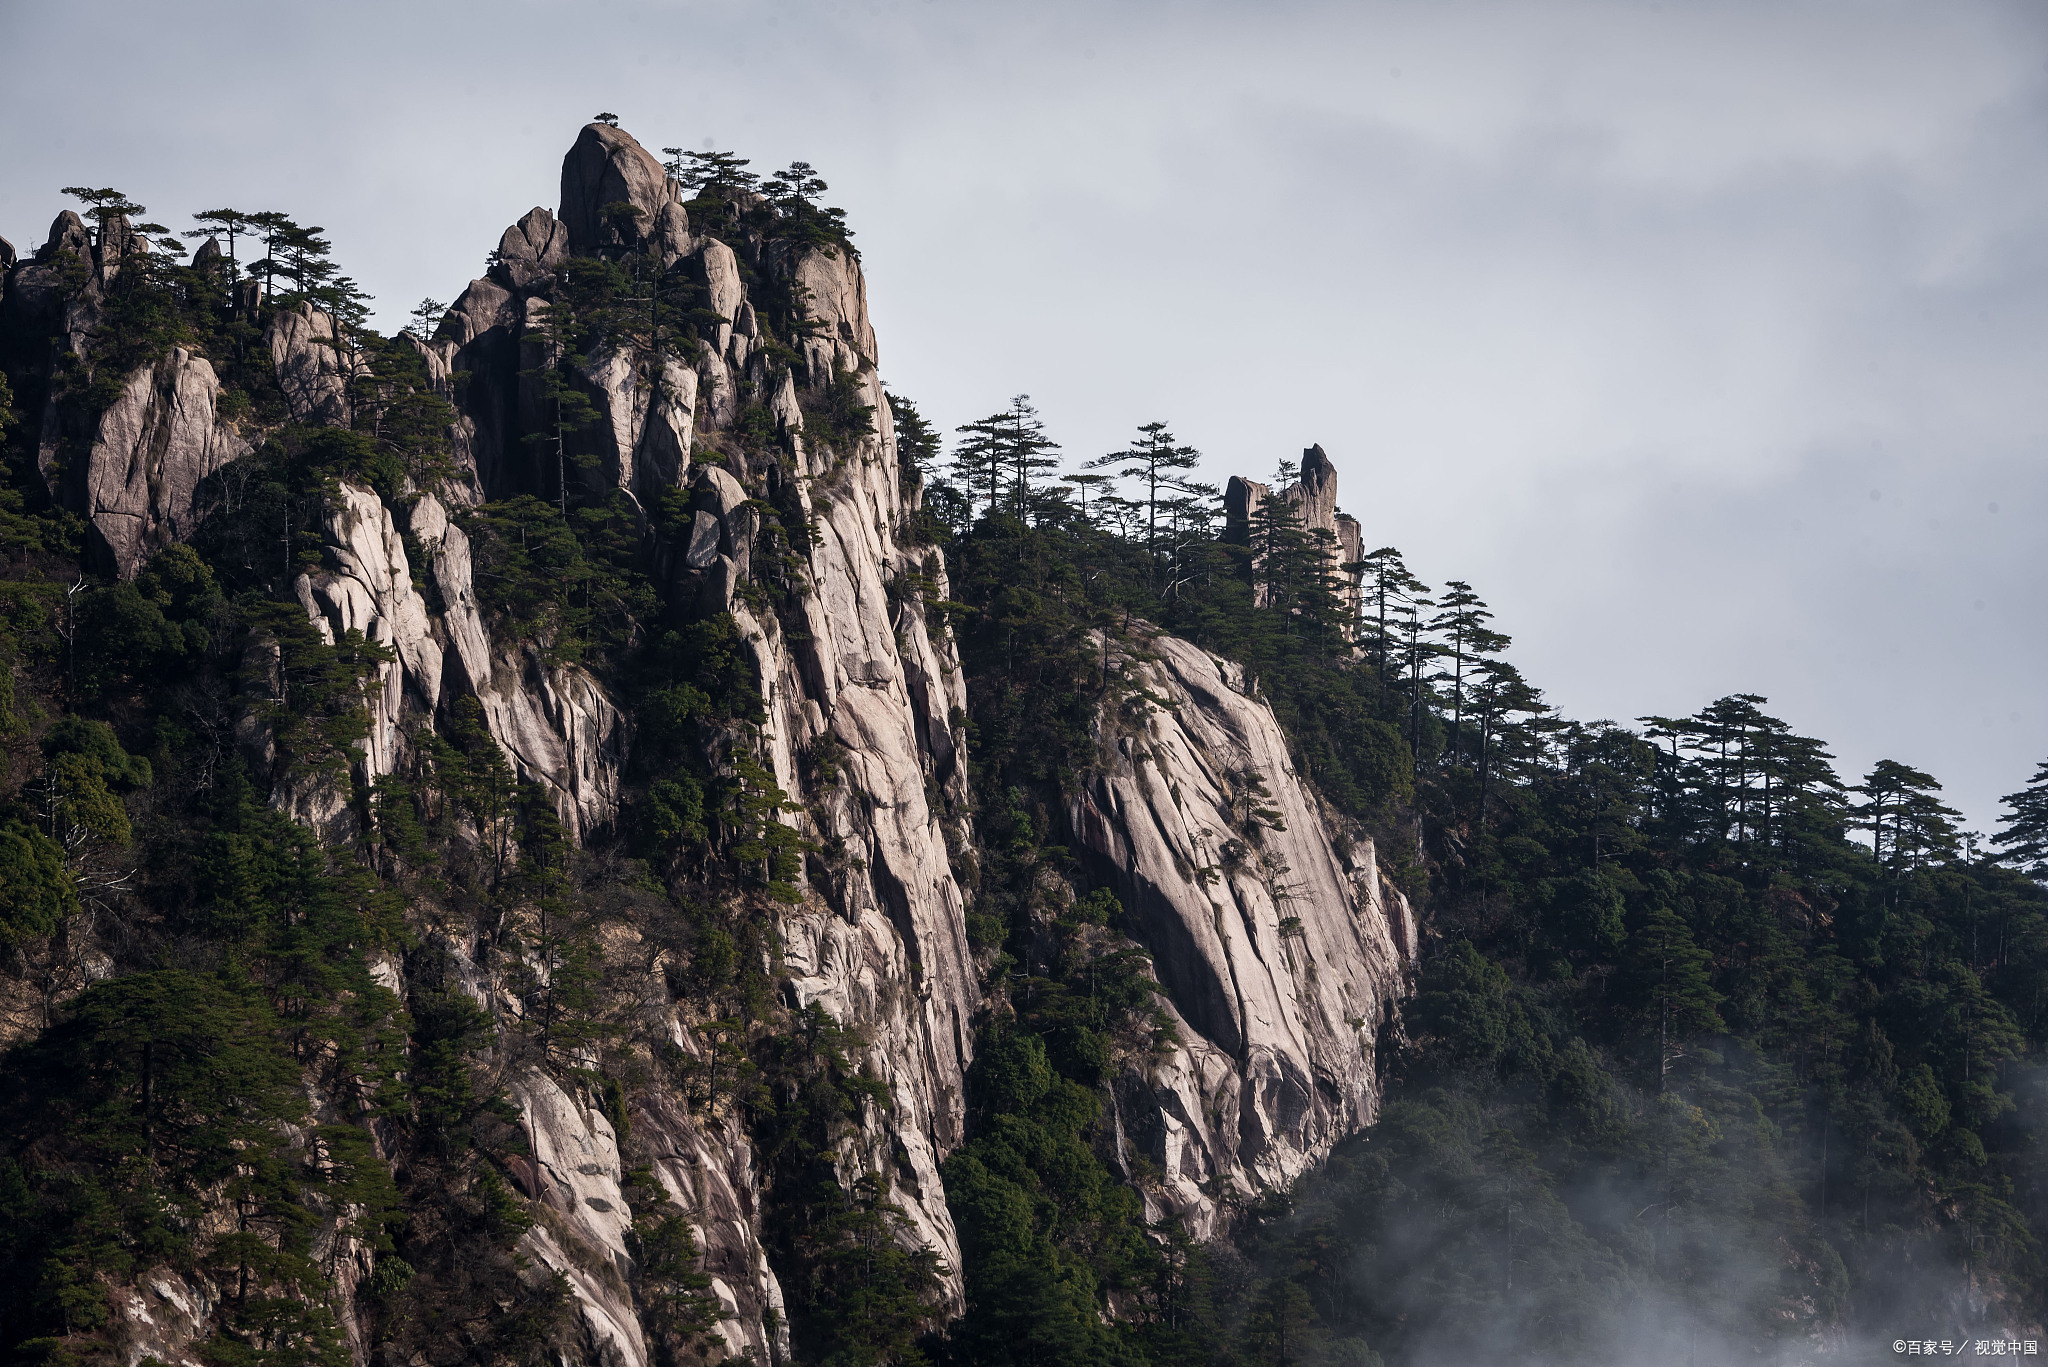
x: 1707, y: 341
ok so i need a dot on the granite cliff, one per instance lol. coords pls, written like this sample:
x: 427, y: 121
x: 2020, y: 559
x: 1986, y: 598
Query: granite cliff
x: 1279, y: 950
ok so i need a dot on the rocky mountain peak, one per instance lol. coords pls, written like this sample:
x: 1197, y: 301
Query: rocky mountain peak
x: 1313, y: 497
x: 67, y: 234
x: 608, y: 166
x: 531, y: 248
x: 747, y: 453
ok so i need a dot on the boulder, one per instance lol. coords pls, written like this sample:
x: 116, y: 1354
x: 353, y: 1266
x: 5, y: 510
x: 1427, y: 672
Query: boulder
x: 314, y: 366
x: 1313, y: 498
x: 67, y: 234
x: 836, y: 295
x: 155, y: 446
x: 644, y: 426
x: 118, y: 241
x: 722, y: 278
x: 1317, y: 486
x: 703, y: 547
x: 35, y: 298
x: 607, y: 166
x: 532, y: 248
x: 446, y: 547
x: 483, y: 306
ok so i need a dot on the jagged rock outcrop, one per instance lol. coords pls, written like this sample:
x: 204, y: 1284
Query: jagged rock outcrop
x: 155, y: 446
x: 533, y: 247
x: 557, y: 726
x: 1313, y: 498
x: 1282, y: 949
x: 879, y: 939
x: 1279, y: 946
x: 608, y: 166
x: 315, y: 366
x: 135, y: 469
x: 35, y: 287
x: 644, y: 421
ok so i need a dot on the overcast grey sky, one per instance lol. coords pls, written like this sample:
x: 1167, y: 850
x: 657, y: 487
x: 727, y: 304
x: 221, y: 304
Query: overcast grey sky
x: 1709, y: 341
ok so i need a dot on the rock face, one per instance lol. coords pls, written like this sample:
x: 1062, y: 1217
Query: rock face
x: 314, y: 366
x: 1278, y: 944
x: 555, y: 723
x: 605, y: 167
x: 1282, y: 949
x: 533, y: 246
x: 155, y: 446
x: 879, y: 939
x: 1313, y: 497
x: 56, y: 298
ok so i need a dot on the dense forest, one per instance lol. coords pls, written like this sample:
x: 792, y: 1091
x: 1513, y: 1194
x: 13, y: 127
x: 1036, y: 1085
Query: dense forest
x: 1710, y: 1051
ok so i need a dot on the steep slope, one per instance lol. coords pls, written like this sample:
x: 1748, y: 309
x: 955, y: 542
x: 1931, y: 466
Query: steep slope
x: 737, y: 436
x: 1281, y: 948
x: 878, y: 938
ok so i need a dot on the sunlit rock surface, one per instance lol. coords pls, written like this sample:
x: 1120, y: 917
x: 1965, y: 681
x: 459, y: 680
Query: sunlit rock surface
x: 1282, y: 949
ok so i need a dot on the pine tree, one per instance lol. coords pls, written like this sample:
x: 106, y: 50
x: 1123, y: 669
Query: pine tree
x: 1158, y: 463
x: 1909, y: 827
x: 2024, y: 841
x: 978, y: 462
x: 1669, y: 975
x: 1029, y: 454
x: 1462, y: 618
x: 232, y: 222
x: 1502, y: 693
x: 1006, y: 459
x: 104, y: 206
x: 718, y: 182
x: 275, y: 228
x: 426, y: 318
x: 917, y: 441
x: 554, y: 330
x: 1387, y: 585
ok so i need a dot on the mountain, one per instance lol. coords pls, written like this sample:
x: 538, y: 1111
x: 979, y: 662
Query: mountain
x: 586, y: 832
x: 658, y: 696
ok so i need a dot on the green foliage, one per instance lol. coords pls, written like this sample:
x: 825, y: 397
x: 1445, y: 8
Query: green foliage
x: 205, y: 1111
x: 733, y: 200
x: 2025, y: 837
x: 842, y: 419
x: 575, y: 584
x: 314, y: 696
x: 152, y: 1090
x: 1678, y: 1038
x: 856, y: 1293
x: 1046, y: 1229
x: 1462, y: 1003
x: 36, y: 889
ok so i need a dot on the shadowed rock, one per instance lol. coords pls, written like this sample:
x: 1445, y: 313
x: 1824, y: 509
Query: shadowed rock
x: 314, y: 367
x: 532, y: 247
